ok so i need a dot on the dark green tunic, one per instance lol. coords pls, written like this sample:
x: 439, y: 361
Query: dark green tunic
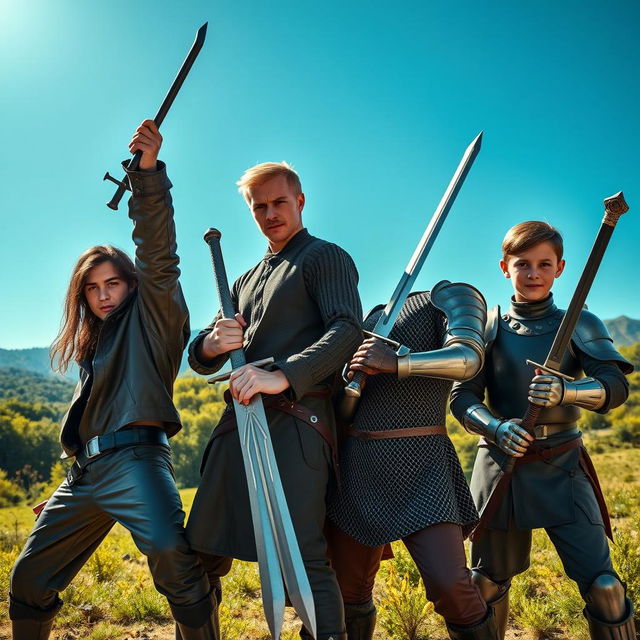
x: 302, y: 308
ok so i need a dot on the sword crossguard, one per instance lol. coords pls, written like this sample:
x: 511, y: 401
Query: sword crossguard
x: 121, y: 183
x: 551, y: 371
x: 389, y: 341
x: 614, y: 207
x: 225, y: 376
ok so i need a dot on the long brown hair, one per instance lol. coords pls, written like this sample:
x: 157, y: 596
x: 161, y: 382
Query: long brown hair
x: 80, y: 327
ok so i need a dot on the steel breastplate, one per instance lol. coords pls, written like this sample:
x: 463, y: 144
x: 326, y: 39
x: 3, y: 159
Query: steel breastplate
x: 517, y: 340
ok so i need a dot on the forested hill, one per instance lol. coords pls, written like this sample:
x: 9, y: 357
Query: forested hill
x: 624, y: 331
x: 30, y: 386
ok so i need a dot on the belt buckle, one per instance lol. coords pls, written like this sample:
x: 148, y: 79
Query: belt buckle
x: 541, y: 431
x: 93, y: 447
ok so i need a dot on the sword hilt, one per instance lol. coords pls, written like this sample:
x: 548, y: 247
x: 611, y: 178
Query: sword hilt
x: 212, y: 238
x: 614, y: 207
x: 221, y: 377
x: 123, y: 185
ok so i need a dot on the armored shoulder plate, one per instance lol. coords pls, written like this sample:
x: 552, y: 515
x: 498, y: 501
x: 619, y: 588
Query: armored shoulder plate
x: 466, y: 312
x: 592, y: 338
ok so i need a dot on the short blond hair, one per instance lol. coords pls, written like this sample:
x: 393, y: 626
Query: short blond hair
x: 528, y: 234
x: 261, y: 173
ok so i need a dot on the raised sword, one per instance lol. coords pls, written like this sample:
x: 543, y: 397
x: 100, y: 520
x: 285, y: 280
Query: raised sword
x: 123, y: 185
x: 279, y: 557
x: 388, y: 316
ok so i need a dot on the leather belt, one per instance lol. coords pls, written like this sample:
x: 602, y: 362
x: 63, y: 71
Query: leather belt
x: 407, y: 432
x: 543, y: 431
x: 101, y: 445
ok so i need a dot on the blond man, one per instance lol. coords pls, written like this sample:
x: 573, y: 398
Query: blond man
x: 299, y: 304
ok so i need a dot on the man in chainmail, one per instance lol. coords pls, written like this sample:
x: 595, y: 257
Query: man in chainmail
x: 400, y: 475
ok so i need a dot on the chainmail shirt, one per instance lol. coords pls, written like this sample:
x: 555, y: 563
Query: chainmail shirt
x: 393, y: 487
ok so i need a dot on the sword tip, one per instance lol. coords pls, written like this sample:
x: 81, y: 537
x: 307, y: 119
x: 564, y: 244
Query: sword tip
x: 202, y: 32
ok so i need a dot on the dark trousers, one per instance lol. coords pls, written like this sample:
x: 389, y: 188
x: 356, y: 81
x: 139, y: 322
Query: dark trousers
x: 438, y: 552
x: 582, y: 547
x: 135, y: 487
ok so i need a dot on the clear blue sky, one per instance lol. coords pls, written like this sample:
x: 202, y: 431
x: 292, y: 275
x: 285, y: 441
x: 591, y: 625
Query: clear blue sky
x: 373, y: 103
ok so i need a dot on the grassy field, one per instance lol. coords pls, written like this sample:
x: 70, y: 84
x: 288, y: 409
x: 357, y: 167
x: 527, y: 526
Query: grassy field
x: 113, y: 596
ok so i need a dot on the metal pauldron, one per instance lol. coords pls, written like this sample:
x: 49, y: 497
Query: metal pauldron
x: 466, y: 312
x: 458, y: 361
x: 586, y: 393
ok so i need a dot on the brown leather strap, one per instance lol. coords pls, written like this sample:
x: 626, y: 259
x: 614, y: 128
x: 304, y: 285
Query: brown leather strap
x: 407, y: 432
x: 589, y: 470
x: 280, y: 403
x: 535, y: 453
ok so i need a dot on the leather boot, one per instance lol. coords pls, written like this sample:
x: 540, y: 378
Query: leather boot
x: 486, y: 630
x: 305, y: 635
x: 28, y: 623
x: 210, y: 630
x: 206, y: 632
x: 360, y: 620
x: 623, y: 630
x: 31, y: 629
x: 496, y: 595
x: 500, y: 608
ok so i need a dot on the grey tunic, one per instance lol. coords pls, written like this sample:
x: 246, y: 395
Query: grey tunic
x: 393, y: 487
x: 302, y: 308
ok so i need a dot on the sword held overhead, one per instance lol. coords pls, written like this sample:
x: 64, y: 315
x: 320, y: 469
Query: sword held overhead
x: 385, y: 323
x: 277, y: 547
x: 123, y: 185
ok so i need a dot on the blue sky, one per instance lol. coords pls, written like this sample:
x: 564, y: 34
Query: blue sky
x: 372, y: 102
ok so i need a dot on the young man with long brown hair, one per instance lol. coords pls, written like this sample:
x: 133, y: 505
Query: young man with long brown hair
x: 554, y: 485
x: 125, y: 325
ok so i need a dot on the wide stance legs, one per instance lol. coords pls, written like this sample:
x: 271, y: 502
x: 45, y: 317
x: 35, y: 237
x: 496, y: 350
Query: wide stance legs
x: 438, y: 552
x: 133, y: 486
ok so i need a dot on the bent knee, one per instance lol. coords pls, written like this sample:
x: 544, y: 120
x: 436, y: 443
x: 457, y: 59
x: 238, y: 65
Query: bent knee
x: 28, y: 585
x: 606, y: 598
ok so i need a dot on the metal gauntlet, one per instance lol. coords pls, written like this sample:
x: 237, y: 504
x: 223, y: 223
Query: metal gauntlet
x: 586, y: 393
x: 478, y: 419
x: 455, y: 362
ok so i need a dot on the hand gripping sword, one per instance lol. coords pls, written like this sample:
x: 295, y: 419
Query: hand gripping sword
x: 614, y: 207
x: 390, y: 313
x: 276, y: 543
x: 123, y: 185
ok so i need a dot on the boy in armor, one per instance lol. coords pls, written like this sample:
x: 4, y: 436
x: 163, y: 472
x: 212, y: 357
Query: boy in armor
x: 400, y: 475
x: 554, y: 485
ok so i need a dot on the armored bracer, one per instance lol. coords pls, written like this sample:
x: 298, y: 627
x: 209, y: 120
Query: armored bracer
x: 462, y: 354
x: 586, y: 393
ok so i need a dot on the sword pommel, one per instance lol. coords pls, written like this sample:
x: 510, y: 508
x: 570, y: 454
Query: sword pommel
x: 614, y: 207
x: 210, y: 234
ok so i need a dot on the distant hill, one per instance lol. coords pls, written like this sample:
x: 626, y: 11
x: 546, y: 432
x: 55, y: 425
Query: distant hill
x: 36, y: 360
x: 624, y: 331
x: 27, y: 386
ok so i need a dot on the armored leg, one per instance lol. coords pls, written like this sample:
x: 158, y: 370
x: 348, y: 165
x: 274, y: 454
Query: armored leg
x: 496, y: 595
x: 609, y: 612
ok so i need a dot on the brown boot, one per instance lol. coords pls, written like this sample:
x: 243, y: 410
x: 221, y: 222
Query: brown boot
x: 486, y: 630
x: 28, y: 623
x: 208, y: 628
x: 360, y: 620
x: 623, y: 630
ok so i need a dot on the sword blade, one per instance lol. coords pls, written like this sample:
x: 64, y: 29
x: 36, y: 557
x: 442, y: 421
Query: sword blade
x: 615, y: 206
x: 390, y: 313
x: 183, y: 72
x: 272, y: 516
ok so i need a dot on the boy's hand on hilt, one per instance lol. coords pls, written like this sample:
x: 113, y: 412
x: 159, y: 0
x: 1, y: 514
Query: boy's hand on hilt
x: 227, y: 334
x: 148, y: 140
x: 546, y: 391
x: 511, y: 438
